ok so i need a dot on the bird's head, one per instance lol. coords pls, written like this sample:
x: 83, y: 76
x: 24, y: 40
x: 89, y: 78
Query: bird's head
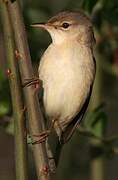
x: 67, y: 26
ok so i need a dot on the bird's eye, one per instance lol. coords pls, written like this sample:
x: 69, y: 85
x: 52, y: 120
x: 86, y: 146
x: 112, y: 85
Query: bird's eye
x: 65, y: 25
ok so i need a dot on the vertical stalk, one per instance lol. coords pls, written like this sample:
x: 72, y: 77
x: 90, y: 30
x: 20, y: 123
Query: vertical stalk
x: 36, y: 122
x: 16, y: 94
x: 97, y: 164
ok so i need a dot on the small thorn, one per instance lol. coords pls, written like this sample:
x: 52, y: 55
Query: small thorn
x: 45, y: 170
x: 24, y: 109
x: 8, y: 72
x: 37, y: 85
x: 18, y: 55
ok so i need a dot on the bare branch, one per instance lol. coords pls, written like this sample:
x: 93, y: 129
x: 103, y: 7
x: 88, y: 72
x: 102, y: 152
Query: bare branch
x: 36, y: 122
x: 17, y: 100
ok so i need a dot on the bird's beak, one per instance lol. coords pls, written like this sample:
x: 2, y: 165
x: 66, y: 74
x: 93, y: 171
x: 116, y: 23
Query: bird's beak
x: 40, y: 25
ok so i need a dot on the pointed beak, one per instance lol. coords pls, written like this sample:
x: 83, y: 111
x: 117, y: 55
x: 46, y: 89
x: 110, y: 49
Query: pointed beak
x: 43, y: 25
x: 38, y: 25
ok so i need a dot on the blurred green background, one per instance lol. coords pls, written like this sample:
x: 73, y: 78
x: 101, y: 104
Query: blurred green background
x: 92, y: 153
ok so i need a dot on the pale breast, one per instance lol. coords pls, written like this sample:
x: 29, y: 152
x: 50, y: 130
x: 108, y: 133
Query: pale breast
x: 67, y: 76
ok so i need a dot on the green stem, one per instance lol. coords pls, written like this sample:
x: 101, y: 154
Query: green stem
x: 17, y: 101
x: 97, y: 164
x: 36, y: 121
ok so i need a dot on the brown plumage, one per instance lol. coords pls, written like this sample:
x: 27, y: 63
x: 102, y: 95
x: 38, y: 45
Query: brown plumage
x: 67, y: 70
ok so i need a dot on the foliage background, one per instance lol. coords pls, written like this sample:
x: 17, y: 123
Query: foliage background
x: 77, y: 160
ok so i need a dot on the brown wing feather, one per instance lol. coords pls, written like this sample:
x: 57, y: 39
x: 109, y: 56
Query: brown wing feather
x: 66, y: 135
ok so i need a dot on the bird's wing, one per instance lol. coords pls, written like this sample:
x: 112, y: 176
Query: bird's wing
x: 66, y: 135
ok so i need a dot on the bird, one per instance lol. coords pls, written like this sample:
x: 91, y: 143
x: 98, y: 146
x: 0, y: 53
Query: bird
x: 67, y: 70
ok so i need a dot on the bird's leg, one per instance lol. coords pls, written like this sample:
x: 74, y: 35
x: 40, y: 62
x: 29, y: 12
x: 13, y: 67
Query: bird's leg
x: 42, y: 136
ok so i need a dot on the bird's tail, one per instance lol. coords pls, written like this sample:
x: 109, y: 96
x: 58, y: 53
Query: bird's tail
x: 56, y: 147
x: 58, y: 152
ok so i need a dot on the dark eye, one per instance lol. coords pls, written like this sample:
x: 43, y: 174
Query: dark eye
x: 65, y: 25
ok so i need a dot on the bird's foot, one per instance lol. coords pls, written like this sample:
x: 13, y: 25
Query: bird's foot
x: 41, y: 137
x: 31, y: 81
x: 36, y: 82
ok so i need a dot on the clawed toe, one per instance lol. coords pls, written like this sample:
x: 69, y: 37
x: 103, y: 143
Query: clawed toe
x: 31, y: 81
x: 41, y: 137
